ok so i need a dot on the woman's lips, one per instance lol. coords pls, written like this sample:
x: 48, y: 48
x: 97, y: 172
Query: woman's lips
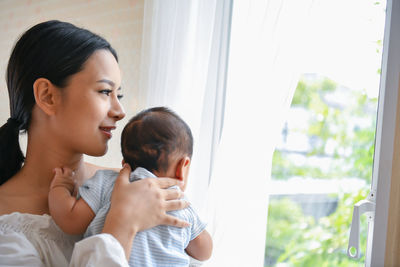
x: 107, y: 131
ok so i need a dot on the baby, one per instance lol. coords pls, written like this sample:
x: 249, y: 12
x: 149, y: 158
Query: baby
x: 156, y: 142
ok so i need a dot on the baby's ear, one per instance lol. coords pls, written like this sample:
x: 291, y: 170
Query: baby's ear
x: 123, y: 162
x: 182, y: 170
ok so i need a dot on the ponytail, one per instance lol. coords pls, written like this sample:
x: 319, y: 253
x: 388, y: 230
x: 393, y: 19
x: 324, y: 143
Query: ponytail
x: 11, y: 157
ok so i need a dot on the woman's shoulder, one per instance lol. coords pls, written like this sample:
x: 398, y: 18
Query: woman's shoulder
x: 13, y: 200
x: 34, y: 226
x: 30, y: 239
x: 23, y: 222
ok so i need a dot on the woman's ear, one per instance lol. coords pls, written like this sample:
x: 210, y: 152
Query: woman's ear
x: 46, y: 95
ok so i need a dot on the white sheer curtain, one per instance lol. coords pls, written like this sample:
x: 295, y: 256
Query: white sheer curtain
x: 183, y: 66
x: 183, y: 53
x: 265, y: 47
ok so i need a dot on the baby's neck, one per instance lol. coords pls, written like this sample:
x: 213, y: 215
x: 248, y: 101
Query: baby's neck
x: 169, y: 174
x: 164, y: 174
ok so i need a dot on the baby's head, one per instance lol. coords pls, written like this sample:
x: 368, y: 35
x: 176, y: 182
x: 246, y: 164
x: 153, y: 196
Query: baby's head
x: 160, y: 141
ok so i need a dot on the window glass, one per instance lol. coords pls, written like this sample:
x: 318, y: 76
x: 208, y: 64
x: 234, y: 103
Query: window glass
x: 323, y: 163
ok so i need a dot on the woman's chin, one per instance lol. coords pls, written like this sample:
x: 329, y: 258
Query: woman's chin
x: 98, y: 152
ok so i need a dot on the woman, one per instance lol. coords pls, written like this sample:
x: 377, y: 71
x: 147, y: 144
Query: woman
x: 64, y: 90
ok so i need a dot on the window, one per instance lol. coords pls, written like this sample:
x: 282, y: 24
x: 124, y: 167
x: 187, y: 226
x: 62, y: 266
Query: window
x: 323, y: 163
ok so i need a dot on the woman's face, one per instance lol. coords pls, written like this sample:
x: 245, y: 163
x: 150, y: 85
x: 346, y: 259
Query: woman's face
x: 89, y: 106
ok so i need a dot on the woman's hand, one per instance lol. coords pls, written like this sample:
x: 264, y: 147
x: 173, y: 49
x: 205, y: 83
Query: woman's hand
x: 141, y: 205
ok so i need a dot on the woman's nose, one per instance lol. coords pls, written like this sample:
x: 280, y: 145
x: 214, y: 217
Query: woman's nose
x: 116, y: 111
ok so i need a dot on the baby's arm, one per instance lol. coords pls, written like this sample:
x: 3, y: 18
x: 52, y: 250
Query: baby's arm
x: 200, y: 248
x: 71, y: 215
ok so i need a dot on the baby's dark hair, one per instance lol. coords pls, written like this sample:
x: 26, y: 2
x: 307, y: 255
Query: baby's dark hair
x: 153, y: 136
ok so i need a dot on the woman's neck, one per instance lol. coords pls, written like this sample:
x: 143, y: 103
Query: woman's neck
x: 28, y: 190
x: 42, y: 157
x: 39, y: 170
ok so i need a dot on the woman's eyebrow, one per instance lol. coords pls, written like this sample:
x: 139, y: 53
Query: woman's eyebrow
x: 111, y: 83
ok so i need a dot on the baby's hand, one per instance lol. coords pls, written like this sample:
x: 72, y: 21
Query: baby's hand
x: 64, y: 177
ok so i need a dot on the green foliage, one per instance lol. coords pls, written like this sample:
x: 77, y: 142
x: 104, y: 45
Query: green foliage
x: 297, y: 240
x: 334, y: 123
x: 285, y: 223
x: 307, y: 93
x: 294, y: 239
x: 283, y: 168
x: 345, y: 134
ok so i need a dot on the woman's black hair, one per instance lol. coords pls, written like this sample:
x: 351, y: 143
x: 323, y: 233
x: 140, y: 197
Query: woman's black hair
x: 54, y: 50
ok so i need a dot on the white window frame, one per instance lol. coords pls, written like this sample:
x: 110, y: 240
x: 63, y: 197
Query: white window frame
x: 385, y: 137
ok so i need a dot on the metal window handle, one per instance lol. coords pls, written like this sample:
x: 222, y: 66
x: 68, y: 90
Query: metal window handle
x: 363, y: 206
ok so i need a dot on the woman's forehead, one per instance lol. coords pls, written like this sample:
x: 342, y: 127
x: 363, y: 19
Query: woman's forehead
x: 101, y: 66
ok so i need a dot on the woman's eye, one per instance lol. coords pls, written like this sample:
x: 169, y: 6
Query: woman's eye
x: 107, y: 92
x: 120, y: 96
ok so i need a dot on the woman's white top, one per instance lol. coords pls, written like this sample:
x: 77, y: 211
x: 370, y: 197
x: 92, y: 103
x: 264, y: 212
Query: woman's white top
x: 35, y: 240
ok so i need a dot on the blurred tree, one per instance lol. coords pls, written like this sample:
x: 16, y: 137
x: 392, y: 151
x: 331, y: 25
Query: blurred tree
x: 294, y: 239
x: 297, y: 240
x: 351, y: 128
x: 345, y: 133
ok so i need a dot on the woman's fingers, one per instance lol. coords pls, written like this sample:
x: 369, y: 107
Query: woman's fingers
x: 172, y: 194
x: 124, y: 173
x: 167, y: 182
x: 176, y: 204
x: 171, y: 220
